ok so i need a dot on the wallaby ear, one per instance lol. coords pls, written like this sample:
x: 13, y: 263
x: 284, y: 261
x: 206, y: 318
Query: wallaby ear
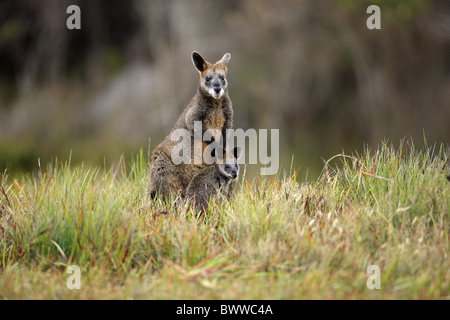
x: 226, y: 58
x: 218, y: 152
x: 198, y: 61
x: 237, y: 152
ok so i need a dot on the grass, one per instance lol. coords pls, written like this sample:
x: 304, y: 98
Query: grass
x: 278, y: 239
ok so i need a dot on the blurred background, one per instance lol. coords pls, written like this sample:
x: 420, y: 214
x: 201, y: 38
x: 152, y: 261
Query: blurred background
x: 309, y: 68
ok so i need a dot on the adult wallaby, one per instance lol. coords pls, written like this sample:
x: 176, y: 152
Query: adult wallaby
x: 211, y: 106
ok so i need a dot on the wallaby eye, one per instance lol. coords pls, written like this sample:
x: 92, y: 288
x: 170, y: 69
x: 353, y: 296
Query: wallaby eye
x: 207, y: 78
x: 222, y: 77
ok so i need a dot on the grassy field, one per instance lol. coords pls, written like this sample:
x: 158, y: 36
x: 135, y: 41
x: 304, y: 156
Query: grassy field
x: 279, y: 239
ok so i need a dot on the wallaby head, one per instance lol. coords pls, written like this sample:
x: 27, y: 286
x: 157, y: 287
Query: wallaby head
x: 228, y: 167
x: 213, y: 79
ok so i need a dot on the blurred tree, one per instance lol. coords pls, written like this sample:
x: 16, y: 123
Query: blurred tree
x: 310, y: 68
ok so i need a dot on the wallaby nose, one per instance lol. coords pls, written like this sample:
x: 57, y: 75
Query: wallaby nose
x: 234, y: 175
x: 217, y: 90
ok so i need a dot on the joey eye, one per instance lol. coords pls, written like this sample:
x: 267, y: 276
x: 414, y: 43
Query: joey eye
x: 222, y: 77
x: 207, y: 78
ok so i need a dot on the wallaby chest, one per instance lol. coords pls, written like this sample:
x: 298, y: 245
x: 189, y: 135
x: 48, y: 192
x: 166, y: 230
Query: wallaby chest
x: 215, y: 117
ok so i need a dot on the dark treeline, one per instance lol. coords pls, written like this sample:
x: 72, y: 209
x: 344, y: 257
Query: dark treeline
x: 309, y: 68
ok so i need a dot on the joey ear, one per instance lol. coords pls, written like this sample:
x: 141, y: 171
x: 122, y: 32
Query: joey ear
x: 198, y: 61
x: 237, y: 152
x: 218, y: 152
x: 226, y: 58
